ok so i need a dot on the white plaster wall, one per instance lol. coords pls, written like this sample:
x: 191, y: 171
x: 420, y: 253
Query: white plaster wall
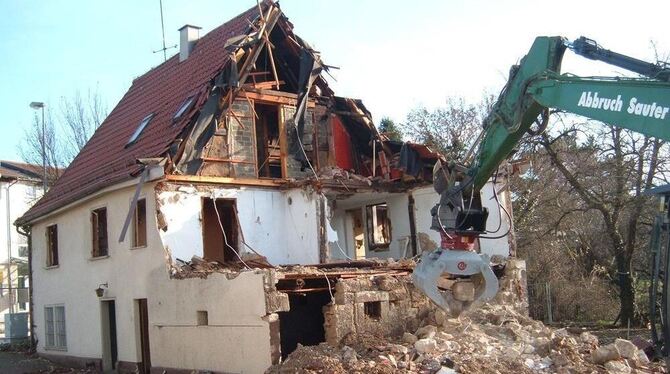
x: 127, y: 271
x: 236, y: 340
x: 22, y: 195
x: 280, y: 225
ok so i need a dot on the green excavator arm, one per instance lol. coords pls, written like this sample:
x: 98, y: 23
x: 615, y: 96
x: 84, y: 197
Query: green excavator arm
x: 534, y: 86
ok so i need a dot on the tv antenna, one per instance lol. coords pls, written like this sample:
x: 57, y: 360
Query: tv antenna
x: 164, y: 49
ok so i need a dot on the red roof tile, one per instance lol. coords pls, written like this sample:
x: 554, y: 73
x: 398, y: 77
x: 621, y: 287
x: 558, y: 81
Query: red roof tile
x: 105, y: 160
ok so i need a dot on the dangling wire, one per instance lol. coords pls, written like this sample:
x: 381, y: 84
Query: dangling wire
x: 225, y: 238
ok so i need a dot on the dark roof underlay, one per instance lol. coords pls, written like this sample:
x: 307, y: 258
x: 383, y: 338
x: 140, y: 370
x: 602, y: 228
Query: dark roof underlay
x: 20, y: 171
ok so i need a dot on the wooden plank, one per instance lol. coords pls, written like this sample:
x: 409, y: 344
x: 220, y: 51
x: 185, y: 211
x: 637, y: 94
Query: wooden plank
x: 283, y: 145
x: 227, y: 180
x: 211, y: 159
x: 271, y: 97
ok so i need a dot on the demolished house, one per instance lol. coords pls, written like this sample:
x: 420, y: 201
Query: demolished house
x: 229, y: 208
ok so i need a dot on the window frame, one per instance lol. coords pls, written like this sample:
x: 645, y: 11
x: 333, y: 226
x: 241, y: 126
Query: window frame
x: 95, y: 233
x: 140, y: 129
x: 134, y: 242
x: 52, y: 259
x: 183, y: 108
x: 55, y: 330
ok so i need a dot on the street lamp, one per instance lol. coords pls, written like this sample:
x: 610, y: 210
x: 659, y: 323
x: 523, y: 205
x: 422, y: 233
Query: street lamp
x: 40, y: 105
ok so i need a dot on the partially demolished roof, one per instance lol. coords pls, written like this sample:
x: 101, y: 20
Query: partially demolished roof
x: 107, y: 158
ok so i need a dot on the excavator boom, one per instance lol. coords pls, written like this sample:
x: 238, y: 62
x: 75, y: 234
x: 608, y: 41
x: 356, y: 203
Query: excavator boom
x: 534, y: 86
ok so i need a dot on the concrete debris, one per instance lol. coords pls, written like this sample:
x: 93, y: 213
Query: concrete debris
x: 494, y: 338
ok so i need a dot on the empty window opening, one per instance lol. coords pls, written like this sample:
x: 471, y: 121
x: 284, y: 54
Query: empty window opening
x: 140, y: 224
x: 304, y: 322
x: 373, y: 309
x: 267, y: 141
x: 202, y: 318
x: 99, y: 231
x: 52, y: 245
x: 378, y: 226
x: 183, y: 108
x: 143, y: 124
x: 220, y: 230
x: 54, y: 318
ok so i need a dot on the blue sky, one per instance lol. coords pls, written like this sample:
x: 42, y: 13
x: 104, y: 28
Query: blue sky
x: 393, y: 55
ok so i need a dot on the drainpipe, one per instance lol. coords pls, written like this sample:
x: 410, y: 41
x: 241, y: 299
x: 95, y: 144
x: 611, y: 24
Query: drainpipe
x: 31, y: 326
x: 9, y: 249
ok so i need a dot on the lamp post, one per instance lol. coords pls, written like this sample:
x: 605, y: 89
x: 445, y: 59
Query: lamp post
x: 40, y: 105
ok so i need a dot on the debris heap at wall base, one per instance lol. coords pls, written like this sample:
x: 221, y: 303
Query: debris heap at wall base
x: 496, y: 338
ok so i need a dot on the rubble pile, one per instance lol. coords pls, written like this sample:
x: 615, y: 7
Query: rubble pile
x: 494, y: 338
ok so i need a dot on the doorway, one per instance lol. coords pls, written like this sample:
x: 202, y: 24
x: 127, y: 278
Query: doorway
x: 303, y: 323
x: 219, y: 230
x: 267, y: 141
x: 143, y: 332
x: 110, y: 350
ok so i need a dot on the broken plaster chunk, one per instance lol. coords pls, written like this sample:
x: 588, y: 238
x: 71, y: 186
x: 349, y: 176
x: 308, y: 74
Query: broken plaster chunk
x: 626, y: 348
x: 349, y: 355
x: 446, y: 370
x: 440, y: 317
x: 605, y: 353
x: 409, y: 338
x: 426, y: 345
x: 427, y: 331
x: 588, y: 338
x: 641, y: 357
x: 617, y: 367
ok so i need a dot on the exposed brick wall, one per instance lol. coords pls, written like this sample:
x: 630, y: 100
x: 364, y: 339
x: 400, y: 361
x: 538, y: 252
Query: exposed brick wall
x: 242, y: 139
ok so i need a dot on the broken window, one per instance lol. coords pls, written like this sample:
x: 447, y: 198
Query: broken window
x: 378, y: 226
x: 54, y: 317
x: 219, y: 230
x: 52, y: 245
x: 140, y: 128
x: 140, y: 224
x: 99, y: 231
x: 267, y: 141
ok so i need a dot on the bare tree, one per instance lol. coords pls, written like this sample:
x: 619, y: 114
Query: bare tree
x: 66, y: 133
x: 450, y: 129
x: 31, y: 148
x: 80, y: 118
x: 590, y: 199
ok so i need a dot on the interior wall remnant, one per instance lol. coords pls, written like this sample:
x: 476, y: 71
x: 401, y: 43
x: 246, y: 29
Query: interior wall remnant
x: 343, y: 151
x: 281, y: 225
x: 295, y: 168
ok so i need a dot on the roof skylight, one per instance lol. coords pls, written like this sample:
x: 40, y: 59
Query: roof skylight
x: 183, y: 108
x: 139, y: 129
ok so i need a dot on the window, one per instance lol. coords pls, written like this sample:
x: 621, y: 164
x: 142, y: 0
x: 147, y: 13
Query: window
x: 52, y: 245
x: 23, y: 250
x: 54, y: 317
x: 202, y: 318
x: 373, y: 309
x: 378, y: 226
x: 183, y: 108
x: 99, y: 231
x: 139, y: 129
x: 140, y: 224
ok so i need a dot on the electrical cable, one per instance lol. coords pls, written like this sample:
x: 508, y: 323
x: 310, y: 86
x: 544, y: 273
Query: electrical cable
x: 330, y: 291
x: 225, y: 237
x: 305, y: 153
